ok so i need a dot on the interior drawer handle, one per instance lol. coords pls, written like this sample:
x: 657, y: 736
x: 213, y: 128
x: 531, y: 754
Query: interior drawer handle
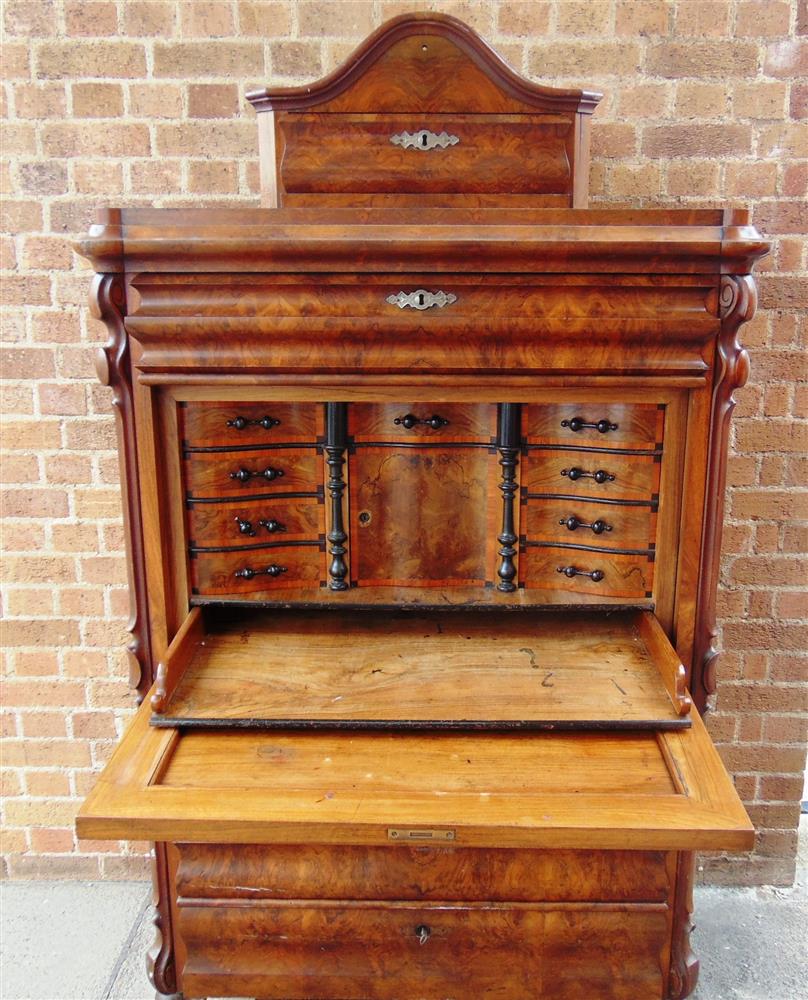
x: 601, y: 476
x: 570, y: 571
x: 248, y: 572
x: 421, y: 299
x: 409, y: 420
x: 245, y: 475
x: 578, y: 424
x: 273, y: 526
x: 245, y: 527
x: 423, y: 933
x: 597, y: 527
x: 424, y: 139
x: 239, y: 423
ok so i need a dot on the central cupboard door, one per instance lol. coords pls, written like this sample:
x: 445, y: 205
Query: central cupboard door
x: 423, y: 485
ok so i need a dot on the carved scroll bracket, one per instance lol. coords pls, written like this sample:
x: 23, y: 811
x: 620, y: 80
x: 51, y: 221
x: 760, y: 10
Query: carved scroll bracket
x: 108, y: 303
x: 737, y: 301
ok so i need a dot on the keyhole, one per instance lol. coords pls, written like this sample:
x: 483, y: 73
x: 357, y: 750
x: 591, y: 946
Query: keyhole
x: 364, y: 518
x: 421, y: 299
x: 423, y: 139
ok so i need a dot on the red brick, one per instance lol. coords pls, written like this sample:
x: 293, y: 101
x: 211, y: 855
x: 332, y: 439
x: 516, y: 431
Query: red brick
x: 798, y: 107
x: 263, y: 18
x: 207, y: 19
x: 39, y: 694
x: 213, y: 100
x: 708, y: 59
x: 784, y: 571
x: 181, y: 60
x: 149, y: 17
x: 30, y: 18
x: 68, y: 60
x: 762, y: 18
x: 778, y: 292
x: 52, y: 841
x: 642, y: 17
x: 34, y: 503
x: 40, y: 100
x: 524, y: 20
x: 22, y: 435
x: 787, y: 58
x: 755, y: 180
x: 701, y: 139
x: 91, y: 18
x: 351, y: 18
x: 756, y: 697
x: 97, y: 100
x: 114, y: 139
x: 213, y: 176
x: 155, y: 100
x: 702, y: 18
x: 593, y: 59
x: 291, y: 58
x: 759, y: 99
x: 772, y: 435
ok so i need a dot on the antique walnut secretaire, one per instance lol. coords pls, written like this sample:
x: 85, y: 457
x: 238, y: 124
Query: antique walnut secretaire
x: 423, y: 468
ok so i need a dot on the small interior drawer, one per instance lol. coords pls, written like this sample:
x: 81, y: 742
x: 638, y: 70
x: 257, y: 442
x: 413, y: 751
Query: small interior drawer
x: 250, y: 571
x: 595, y: 424
x: 251, y: 522
x: 581, y: 570
x: 423, y: 422
x: 263, y: 471
x: 241, y: 424
x: 592, y: 474
x: 585, y: 521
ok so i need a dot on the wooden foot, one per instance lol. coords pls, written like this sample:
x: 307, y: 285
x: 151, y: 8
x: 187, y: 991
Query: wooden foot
x: 684, y: 972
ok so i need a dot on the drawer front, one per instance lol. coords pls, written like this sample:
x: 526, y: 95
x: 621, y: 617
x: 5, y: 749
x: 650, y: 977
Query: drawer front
x: 228, y: 573
x: 386, y: 951
x: 586, y: 522
x: 592, y: 474
x: 422, y: 422
x: 616, y: 425
x: 240, y: 424
x: 252, y: 522
x: 421, y: 873
x: 615, y: 575
x: 255, y: 472
x: 423, y: 154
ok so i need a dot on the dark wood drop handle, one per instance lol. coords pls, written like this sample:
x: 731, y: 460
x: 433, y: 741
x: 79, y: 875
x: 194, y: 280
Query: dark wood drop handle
x: 572, y: 523
x: 271, y: 525
x: 409, y: 421
x: 239, y: 423
x: 248, y: 572
x: 570, y: 571
x: 245, y: 527
x: 245, y: 475
x: 601, y: 476
x: 578, y: 424
x: 423, y: 933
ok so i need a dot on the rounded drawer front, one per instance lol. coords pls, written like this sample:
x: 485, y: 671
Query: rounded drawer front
x: 252, y: 522
x: 249, y: 572
x: 596, y: 425
x: 580, y: 571
x: 214, y: 424
x: 380, y: 951
x: 592, y: 474
x: 260, y: 471
x: 586, y: 522
x: 420, y: 422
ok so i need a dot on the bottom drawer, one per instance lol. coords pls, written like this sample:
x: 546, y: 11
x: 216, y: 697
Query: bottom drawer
x: 408, y: 951
x: 613, y: 574
x: 246, y: 571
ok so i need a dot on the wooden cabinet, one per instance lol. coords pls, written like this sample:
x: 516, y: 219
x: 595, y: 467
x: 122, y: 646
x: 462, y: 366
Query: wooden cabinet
x: 423, y: 475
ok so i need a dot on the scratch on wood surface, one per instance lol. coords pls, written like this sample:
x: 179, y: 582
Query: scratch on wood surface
x: 546, y: 682
x: 618, y: 686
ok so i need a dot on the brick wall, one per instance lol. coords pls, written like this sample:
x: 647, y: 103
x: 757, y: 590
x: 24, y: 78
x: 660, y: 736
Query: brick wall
x: 141, y: 102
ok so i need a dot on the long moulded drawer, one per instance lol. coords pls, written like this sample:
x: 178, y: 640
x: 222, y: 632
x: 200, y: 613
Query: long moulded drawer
x: 583, y: 521
x: 433, y: 153
x: 592, y: 474
x: 595, y: 425
x: 240, y: 424
x: 615, y: 575
x: 386, y: 951
x: 251, y: 522
x: 421, y: 872
x: 250, y: 572
x: 423, y: 422
x: 260, y: 471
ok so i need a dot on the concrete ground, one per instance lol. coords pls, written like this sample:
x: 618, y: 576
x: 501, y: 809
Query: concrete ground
x: 88, y: 941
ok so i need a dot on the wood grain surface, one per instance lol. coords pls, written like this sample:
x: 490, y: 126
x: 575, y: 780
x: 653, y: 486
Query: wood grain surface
x: 405, y: 670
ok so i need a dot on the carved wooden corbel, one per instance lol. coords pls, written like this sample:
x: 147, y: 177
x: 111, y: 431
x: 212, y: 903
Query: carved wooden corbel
x: 737, y: 302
